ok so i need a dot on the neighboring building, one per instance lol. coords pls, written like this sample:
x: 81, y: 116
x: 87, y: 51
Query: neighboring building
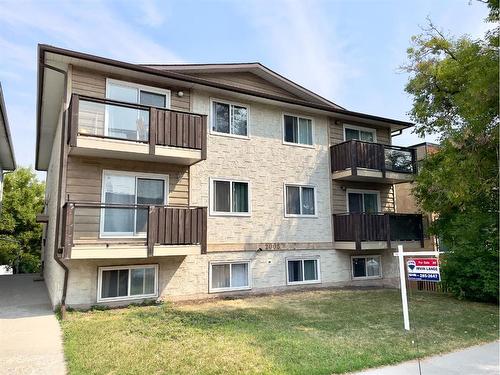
x: 405, y: 200
x: 189, y: 181
x: 7, y: 160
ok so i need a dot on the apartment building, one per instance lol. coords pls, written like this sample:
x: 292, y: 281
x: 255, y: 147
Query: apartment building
x: 202, y: 180
x: 7, y: 160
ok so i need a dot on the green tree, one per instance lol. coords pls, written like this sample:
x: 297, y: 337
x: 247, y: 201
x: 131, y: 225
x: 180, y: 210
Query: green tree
x: 20, y: 234
x: 455, y: 87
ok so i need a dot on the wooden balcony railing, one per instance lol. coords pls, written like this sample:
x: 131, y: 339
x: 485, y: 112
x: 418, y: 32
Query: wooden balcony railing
x: 113, y: 119
x: 363, y: 227
x: 355, y: 154
x: 105, y: 224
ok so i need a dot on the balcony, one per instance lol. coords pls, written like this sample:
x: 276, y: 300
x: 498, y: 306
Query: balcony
x: 114, y: 129
x: 363, y: 231
x: 372, y: 162
x: 111, y: 231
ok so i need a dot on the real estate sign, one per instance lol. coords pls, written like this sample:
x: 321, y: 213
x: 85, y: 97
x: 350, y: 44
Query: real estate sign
x: 423, y: 269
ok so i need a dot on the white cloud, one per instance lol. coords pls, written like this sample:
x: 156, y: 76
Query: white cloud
x: 87, y: 26
x: 153, y: 15
x: 303, y: 44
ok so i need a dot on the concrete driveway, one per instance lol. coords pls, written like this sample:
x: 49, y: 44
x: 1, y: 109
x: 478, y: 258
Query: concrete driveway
x: 477, y: 360
x: 30, y: 336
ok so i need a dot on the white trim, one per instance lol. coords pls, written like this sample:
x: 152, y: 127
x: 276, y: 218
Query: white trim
x: 212, y: 118
x: 136, y: 175
x: 230, y: 289
x: 155, y: 90
x: 362, y: 192
x: 380, y: 276
x: 211, y: 192
x: 283, y: 114
x: 302, y: 259
x: 300, y: 186
x: 139, y: 88
x: 128, y: 296
x: 362, y: 128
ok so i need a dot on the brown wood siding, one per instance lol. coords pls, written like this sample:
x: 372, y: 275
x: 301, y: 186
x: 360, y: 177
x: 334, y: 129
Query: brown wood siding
x: 339, y: 197
x: 84, y: 184
x: 337, y: 129
x: 245, y: 80
x: 93, y: 83
x: 84, y: 177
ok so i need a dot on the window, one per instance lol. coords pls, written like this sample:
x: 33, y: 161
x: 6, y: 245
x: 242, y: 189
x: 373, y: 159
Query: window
x: 228, y: 118
x: 127, y: 282
x: 130, y: 123
x: 297, y: 130
x: 300, y: 200
x: 229, y: 276
x: 366, y: 267
x: 363, y: 201
x: 230, y: 198
x: 359, y: 133
x: 129, y: 189
x: 302, y: 271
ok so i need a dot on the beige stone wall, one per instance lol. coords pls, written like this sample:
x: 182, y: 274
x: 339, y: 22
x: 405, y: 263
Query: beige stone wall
x: 184, y: 278
x: 267, y: 164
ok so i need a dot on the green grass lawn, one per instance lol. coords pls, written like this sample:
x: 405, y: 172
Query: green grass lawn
x: 317, y: 332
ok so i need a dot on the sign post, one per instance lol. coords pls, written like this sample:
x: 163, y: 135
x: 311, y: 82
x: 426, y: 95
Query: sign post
x: 419, y: 269
x: 404, y: 297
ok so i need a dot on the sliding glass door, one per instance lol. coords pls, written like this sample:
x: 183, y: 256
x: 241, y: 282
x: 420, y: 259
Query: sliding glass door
x: 128, y: 189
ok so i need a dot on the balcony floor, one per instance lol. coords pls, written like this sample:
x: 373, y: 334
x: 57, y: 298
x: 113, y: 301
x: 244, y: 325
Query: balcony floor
x: 130, y: 251
x: 128, y: 150
x: 372, y: 175
x: 376, y: 245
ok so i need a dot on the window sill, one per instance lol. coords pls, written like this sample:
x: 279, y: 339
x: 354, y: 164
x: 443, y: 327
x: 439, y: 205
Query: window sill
x: 222, y: 290
x: 127, y: 298
x: 303, y: 282
x: 299, y: 145
x: 243, y: 137
x: 293, y: 216
x: 366, y: 278
x: 229, y: 214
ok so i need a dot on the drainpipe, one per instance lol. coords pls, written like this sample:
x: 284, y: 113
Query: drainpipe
x: 59, y: 190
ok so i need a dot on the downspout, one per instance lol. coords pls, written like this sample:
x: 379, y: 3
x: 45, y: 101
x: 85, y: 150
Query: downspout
x: 59, y: 190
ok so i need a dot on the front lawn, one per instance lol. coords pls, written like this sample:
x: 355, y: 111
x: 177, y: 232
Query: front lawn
x: 317, y: 332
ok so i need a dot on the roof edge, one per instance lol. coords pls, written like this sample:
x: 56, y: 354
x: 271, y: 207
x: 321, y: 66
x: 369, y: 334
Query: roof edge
x: 45, y: 48
x: 3, y: 111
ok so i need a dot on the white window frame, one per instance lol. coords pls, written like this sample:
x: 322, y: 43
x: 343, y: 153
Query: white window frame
x: 360, y: 128
x: 302, y: 259
x: 380, y: 276
x: 128, y: 297
x: 137, y: 175
x: 362, y: 192
x: 155, y: 90
x: 229, y: 289
x: 211, y: 191
x: 283, y: 130
x: 314, y: 187
x: 230, y: 103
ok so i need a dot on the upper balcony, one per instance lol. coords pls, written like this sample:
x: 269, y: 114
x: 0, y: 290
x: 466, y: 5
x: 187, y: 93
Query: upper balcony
x: 115, y: 129
x: 365, y: 231
x: 372, y: 162
x: 119, y: 231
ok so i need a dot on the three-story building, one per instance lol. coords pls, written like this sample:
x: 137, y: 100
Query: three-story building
x: 189, y: 181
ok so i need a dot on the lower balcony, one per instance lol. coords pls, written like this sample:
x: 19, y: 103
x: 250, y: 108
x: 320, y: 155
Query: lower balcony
x: 364, y: 231
x: 112, y: 231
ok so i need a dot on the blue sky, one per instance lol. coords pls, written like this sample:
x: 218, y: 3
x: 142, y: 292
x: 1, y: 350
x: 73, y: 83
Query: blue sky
x: 348, y: 51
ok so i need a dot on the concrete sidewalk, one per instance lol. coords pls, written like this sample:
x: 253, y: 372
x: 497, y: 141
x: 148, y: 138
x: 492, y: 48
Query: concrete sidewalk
x: 477, y: 360
x: 30, y: 336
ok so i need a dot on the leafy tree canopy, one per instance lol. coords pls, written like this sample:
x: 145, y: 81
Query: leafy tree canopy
x: 20, y: 234
x: 454, y: 83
